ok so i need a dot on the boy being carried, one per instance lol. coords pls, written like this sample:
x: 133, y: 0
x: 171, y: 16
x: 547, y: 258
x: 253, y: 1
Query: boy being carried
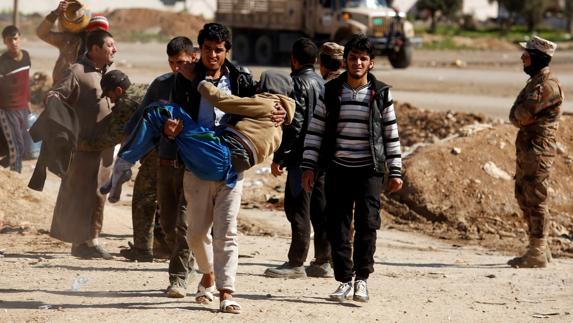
x: 248, y: 138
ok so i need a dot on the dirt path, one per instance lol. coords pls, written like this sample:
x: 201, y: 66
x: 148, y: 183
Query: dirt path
x: 416, y: 279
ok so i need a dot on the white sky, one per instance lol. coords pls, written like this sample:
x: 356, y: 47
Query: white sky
x: 198, y: 7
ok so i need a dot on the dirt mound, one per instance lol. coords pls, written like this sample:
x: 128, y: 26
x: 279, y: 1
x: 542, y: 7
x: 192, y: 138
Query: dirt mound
x: 463, y: 189
x: 20, y: 206
x: 127, y: 23
x: 423, y: 126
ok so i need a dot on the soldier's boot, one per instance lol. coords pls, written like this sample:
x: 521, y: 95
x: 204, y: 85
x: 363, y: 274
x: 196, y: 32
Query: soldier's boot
x: 534, y: 257
x: 136, y: 254
x: 548, y: 252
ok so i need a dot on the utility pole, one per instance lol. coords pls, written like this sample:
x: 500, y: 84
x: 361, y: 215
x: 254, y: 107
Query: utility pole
x: 15, y: 15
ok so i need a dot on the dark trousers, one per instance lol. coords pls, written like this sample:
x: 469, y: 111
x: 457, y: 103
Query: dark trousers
x: 144, y: 202
x: 14, y: 128
x: 173, y: 221
x: 302, y: 209
x: 348, y: 188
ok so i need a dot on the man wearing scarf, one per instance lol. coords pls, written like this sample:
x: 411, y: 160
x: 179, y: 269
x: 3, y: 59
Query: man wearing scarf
x: 536, y: 113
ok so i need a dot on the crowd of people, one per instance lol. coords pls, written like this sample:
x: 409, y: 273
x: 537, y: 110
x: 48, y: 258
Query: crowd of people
x: 196, y: 129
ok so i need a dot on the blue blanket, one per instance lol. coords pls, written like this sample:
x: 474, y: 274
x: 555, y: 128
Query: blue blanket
x: 201, y: 148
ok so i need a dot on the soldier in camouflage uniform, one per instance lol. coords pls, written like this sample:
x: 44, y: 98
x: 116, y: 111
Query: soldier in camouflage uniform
x: 127, y: 98
x: 330, y: 60
x: 536, y: 113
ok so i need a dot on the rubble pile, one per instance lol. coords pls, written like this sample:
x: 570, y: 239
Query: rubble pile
x: 125, y: 23
x: 423, y: 126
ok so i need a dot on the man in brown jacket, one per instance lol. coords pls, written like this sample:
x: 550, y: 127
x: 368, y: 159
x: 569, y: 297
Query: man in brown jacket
x: 78, y: 213
x: 71, y: 45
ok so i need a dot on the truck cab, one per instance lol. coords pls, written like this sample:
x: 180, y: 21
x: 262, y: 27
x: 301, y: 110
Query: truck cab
x: 264, y: 30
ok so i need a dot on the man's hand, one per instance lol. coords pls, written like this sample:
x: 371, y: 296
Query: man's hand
x: 276, y: 169
x: 307, y: 180
x: 172, y: 128
x: 187, y: 69
x: 394, y: 185
x: 62, y: 6
x: 279, y: 115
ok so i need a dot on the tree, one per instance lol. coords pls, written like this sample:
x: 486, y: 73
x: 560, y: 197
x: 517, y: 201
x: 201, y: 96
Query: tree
x: 531, y: 10
x: 513, y: 9
x: 569, y: 15
x: 437, y: 8
x: 448, y: 8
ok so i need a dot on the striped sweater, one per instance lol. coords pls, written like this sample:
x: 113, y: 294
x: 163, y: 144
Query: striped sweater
x: 352, y: 143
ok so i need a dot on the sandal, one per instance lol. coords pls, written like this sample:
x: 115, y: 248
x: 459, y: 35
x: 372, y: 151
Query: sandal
x: 204, y: 294
x: 230, y: 306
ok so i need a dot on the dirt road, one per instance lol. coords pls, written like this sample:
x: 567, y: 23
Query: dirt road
x: 416, y: 279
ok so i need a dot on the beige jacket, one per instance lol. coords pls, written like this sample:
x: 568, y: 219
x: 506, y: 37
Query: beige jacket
x: 67, y: 43
x: 78, y: 214
x: 257, y: 129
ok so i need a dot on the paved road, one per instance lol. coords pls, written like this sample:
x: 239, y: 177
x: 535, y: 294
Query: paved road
x: 488, y: 84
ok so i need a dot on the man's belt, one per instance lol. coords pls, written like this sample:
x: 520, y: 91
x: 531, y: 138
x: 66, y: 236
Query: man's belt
x: 170, y: 163
x: 245, y: 146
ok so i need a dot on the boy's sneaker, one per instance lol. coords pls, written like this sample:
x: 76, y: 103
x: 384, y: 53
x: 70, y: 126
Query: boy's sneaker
x: 343, y: 292
x: 361, y: 291
x: 286, y: 271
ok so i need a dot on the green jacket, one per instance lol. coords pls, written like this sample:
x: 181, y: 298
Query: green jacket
x: 111, y: 129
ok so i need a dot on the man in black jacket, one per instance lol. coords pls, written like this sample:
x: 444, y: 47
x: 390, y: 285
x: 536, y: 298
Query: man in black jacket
x: 353, y: 134
x: 301, y: 207
x: 213, y: 206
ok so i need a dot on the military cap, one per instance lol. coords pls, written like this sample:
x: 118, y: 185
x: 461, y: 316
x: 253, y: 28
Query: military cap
x: 113, y: 79
x: 542, y: 45
x: 332, y: 49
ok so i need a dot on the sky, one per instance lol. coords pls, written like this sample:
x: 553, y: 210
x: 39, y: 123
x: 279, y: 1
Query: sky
x: 198, y: 7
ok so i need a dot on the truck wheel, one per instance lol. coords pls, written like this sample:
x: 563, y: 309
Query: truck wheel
x: 264, y: 50
x: 241, y: 49
x: 401, y: 58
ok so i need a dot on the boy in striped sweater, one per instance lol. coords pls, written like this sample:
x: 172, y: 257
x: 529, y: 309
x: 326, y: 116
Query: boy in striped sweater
x: 353, y: 134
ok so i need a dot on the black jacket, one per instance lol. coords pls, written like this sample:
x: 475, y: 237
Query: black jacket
x: 378, y: 104
x: 187, y: 96
x: 308, y: 86
x: 58, y: 128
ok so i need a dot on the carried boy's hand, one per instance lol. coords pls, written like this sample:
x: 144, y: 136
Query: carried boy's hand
x: 172, y: 128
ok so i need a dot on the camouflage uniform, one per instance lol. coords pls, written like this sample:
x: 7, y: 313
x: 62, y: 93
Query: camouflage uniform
x: 111, y: 128
x: 536, y: 113
x: 144, y: 190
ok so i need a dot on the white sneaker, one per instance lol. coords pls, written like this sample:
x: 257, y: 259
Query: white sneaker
x: 361, y: 291
x: 343, y: 292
